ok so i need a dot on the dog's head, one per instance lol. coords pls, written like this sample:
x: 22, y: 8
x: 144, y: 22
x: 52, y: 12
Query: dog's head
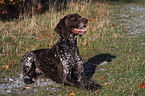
x: 71, y: 24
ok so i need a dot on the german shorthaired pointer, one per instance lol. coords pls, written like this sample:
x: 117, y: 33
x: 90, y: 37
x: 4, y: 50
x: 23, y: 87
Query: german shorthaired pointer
x: 62, y: 63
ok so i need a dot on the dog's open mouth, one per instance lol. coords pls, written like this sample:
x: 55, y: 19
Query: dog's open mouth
x: 79, y: 31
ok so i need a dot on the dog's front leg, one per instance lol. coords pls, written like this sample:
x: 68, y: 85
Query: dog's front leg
x: 85, y: 82
x: 67, y: 77
x: 79, y: 69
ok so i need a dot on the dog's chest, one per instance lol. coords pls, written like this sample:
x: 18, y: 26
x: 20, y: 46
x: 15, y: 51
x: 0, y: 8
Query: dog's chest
x: 67, y: 58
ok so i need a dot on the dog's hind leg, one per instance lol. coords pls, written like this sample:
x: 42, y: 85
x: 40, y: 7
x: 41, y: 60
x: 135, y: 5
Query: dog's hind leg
x: 28, y: 67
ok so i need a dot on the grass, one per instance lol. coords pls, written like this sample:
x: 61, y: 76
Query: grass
x: 121, y: 76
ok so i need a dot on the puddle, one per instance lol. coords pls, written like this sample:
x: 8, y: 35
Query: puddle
x: 132, y: 17
x: 17, y: 86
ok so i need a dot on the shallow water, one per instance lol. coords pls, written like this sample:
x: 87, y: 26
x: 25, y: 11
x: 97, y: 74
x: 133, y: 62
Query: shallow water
x: 132, y: 17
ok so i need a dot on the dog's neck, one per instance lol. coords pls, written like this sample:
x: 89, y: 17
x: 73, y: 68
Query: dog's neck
x: 71, y: 41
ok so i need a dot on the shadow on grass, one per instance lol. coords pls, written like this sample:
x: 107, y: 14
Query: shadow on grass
x: 91, y: 64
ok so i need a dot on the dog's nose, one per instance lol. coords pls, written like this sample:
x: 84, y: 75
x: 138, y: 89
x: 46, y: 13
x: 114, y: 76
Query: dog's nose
x: 84, y: 20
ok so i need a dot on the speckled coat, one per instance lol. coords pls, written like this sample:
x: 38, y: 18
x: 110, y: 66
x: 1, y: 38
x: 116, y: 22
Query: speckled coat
x: 62, y: 63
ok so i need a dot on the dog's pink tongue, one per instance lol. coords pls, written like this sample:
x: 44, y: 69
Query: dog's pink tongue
x: 79, y: 31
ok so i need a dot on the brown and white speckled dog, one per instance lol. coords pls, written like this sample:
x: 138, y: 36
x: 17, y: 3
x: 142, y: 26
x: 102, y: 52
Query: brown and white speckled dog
x: 63, y: 62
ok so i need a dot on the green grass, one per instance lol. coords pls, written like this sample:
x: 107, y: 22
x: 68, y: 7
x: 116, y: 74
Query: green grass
x: 123, y: 74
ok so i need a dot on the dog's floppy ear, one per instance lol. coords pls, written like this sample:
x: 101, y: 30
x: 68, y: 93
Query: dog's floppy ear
x: 61, y: 29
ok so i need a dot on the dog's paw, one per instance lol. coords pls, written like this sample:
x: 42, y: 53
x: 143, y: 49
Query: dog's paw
x: 93, y: 87
x: 28, y: 80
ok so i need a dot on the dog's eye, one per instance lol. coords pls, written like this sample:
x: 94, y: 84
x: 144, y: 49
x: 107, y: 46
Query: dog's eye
x: 72, y: 18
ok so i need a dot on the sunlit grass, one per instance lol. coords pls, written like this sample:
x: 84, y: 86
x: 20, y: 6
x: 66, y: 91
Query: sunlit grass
x: 122, y: 76
x: 23, y: 35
